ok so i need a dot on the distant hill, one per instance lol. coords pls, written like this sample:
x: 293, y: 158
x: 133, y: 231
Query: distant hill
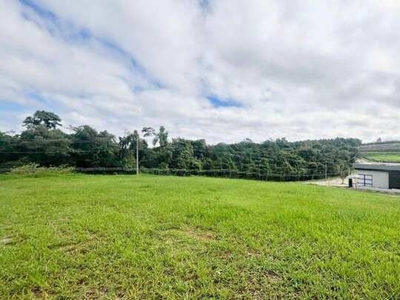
x: 383, y: 146
x: 381, y: 152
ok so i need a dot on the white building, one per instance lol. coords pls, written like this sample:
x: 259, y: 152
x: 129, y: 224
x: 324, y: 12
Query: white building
x: 377, y: 175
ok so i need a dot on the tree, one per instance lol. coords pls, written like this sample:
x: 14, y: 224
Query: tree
x: 45, y: 144
x: 126, y: 151
x: 45, y: 147
x: 8, y: 154
x: 199, y: 148
x: 92, y: 149
x: 343, y: 171
x: 148, y: 131
x: 49, y: 119
x: 160, y: 137
x: 183, y: 155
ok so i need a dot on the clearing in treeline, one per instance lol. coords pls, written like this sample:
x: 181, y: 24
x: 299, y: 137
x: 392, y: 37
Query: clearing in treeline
x: 385, y: 152
x: 385, y: 157
x: 80, y: 236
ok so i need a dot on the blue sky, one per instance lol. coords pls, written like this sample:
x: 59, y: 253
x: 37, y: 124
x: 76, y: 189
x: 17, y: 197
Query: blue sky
x: 220, y: 102
x: 268, y: 69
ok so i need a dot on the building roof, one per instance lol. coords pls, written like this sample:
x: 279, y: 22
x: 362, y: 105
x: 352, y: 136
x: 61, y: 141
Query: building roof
x: 377, y: 166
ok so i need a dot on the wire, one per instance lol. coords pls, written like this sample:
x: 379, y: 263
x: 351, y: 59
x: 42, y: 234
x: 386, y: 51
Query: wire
x: 58, y: 140
x: 53, y: 152
x: 200, y: 172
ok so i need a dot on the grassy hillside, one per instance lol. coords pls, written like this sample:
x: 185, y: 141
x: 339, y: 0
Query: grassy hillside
x: 388, y: 152
x: 388, y: 157
x: 380, y: 147
x: 77, y: 236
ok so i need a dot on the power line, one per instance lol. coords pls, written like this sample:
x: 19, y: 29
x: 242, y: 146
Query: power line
x: 53, y: 152
x: 58, y: 140
x: 199, y: 172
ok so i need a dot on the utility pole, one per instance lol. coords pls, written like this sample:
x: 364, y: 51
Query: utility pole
x: 326, y: 171
x: 137, y: 152
x: 137, y: 155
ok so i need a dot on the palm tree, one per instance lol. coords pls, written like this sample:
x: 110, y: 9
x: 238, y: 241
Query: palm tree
x: 160, y: 137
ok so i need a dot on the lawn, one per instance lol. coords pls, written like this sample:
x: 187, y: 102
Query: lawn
x: 108, y: 237
x: 389, y: 157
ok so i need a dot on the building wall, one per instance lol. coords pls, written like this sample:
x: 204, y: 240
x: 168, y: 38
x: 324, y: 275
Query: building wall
x: 380, y: 179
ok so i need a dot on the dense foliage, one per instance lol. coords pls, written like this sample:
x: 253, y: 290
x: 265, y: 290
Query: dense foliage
x: 45, y: 144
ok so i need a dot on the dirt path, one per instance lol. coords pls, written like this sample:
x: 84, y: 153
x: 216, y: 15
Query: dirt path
x: 330, y: 182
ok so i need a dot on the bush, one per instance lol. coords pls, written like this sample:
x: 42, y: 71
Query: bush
x: 33, y: 169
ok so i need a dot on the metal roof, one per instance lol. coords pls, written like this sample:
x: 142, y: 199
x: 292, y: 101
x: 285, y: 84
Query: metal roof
x: 377, y: 166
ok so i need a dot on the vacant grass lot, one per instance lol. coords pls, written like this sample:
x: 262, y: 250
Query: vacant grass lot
x: 390, y: 157
x: 77, y: 236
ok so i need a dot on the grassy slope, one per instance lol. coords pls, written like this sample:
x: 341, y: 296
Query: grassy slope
x: 381, y: 152
x: 166, y: 237
x: 391, y: 157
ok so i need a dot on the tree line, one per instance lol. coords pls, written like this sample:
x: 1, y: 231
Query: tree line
x: 44, y: 143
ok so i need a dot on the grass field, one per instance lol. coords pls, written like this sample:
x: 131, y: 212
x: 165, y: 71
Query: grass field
x: 126, y: 237
x: 389, y: 157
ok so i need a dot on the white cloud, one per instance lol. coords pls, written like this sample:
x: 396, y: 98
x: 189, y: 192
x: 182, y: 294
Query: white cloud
x: 299, y: 69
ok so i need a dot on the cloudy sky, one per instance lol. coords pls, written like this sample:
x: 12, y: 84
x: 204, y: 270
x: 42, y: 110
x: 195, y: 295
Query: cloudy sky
x: 223, y: 70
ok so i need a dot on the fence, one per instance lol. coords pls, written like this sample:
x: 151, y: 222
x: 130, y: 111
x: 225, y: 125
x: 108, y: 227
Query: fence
x: 221, y: 173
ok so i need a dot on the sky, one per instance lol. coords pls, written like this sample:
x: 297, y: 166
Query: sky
x: 215, y: 69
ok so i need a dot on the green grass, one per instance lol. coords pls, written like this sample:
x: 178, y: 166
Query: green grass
x: 77, y: 236
x: 389, y: 157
